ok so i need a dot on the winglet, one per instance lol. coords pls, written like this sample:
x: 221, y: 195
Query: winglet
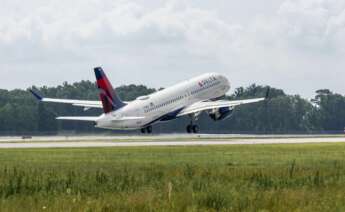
x: 36, y: 95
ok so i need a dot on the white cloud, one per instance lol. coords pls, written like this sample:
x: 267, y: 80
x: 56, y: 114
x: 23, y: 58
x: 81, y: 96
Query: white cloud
x: 175, y: 39
x: 315, y: 24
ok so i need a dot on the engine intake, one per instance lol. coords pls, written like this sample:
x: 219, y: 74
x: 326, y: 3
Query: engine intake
x: 221, y: 113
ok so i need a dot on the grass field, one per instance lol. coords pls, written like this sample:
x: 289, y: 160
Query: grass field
x: 224, y: 178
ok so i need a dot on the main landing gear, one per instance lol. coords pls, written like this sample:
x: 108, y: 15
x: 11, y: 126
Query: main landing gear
x: 147, y: 130
x: 192, y: 128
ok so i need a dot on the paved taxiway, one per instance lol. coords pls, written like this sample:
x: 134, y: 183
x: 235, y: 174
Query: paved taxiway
x: 139, y: 141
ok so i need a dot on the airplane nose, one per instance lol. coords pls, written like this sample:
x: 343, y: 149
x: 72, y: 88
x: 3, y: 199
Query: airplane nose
x: 225, y: 80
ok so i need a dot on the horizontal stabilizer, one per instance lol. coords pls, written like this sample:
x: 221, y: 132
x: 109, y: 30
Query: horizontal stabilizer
x: 80, y: 118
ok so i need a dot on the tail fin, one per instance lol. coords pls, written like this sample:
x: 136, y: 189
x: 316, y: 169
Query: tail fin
x: 108, y: 96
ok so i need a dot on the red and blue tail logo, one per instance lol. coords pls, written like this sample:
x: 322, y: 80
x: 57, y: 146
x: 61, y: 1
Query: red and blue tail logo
x: 108, y: 96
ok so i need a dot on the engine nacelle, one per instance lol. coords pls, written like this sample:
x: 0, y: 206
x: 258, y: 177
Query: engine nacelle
x: 221, y: 113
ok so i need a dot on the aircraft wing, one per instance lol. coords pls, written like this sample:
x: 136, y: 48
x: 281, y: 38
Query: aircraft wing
x: 79, y: 103
x: 95, y: 118
x: 78, y: 118
x: 210, y: 105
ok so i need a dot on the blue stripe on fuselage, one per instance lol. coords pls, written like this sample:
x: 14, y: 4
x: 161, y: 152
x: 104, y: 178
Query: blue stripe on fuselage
x: 167, y: 117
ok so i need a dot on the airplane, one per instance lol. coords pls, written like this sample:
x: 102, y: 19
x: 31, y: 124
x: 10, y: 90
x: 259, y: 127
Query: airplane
x: 188, y: 98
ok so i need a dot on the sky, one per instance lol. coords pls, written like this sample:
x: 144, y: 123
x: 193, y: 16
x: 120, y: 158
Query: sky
x: 296, y: 45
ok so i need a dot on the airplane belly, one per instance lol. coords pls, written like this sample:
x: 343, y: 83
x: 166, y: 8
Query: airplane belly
x: 121, y: 124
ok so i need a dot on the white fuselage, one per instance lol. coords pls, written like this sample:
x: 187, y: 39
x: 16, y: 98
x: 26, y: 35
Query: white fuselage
x: 166, y: 103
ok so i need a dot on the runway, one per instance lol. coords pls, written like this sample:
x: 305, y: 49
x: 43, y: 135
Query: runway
x: 151, y: 141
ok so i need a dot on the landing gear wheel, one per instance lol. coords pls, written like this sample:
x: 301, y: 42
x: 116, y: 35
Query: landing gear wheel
x: 192, y: 128
x: 146, y: 130
x: 149, y: 129
x: 189, y: 128
x: 196, y: 129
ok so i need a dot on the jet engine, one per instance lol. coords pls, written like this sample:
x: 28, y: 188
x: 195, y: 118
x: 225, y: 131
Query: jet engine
x: 220, y: 114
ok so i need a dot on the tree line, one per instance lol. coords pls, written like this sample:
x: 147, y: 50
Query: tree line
x: 21, y: 113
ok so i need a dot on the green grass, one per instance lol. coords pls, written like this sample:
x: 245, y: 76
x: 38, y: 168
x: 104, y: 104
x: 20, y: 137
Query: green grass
x: 224, y: 178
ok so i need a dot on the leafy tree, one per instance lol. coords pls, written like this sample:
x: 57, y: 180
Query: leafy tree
x: 20, y: 113
x: 329, y: 111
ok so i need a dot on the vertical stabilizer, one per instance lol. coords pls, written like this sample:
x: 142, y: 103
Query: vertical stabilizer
x: 108, y: 96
